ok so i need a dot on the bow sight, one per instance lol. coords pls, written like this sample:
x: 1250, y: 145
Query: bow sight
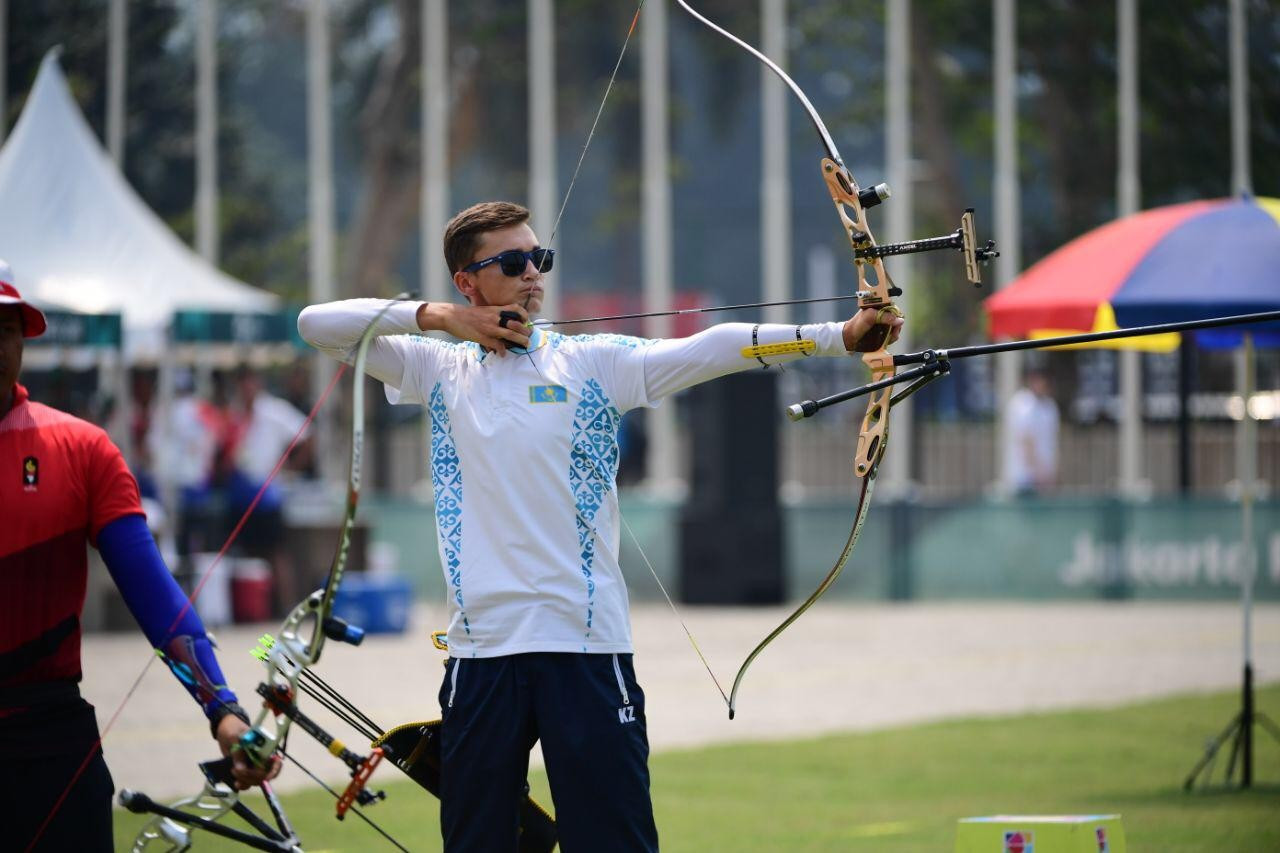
x: 963, y: 239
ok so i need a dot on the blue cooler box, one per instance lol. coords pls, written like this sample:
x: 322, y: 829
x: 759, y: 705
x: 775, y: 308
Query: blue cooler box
x: 378, y: 603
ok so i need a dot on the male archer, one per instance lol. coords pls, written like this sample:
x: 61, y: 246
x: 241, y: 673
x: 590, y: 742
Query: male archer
x: 62, y: 484
x: 523, y: 458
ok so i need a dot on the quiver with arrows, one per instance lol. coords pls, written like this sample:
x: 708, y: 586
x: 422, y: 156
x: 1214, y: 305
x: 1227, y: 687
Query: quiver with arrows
x: 415, y: 749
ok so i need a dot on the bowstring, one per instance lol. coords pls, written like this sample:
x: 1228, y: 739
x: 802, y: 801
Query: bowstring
x: 593, y: 528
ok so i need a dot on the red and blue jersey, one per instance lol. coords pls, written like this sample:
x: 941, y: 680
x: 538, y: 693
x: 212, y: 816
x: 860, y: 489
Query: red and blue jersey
x: 61, y: 481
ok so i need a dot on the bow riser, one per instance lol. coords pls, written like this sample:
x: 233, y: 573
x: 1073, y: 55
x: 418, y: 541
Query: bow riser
x: 847, y: 197
x: 285, y: 657
x: 873, y: 437
x: 163, y: 833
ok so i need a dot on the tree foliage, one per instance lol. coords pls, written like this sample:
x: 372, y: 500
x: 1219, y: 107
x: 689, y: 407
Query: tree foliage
x: 1067, y: 107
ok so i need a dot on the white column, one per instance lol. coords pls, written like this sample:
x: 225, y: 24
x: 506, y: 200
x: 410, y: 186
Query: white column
x: 542, y: 136
x: 320, y: 216
x: 775, y: 185
x: 117, y: 38
x: 117, y: 54
x: 899, y: 213
x: 1246, y: 434
x: 1008, y: 207
x: 319, y: 154
x: 1247, y: 474
x: 1241, y: 173
x: 663, y: 464
x: 207, y: 130
x: 434, y: 95
x: 1128, y: 177
x: 1128, y: 188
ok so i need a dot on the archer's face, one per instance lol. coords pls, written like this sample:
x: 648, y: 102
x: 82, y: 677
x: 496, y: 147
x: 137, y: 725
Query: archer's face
x: 10, y: 348
x: 490, y: 286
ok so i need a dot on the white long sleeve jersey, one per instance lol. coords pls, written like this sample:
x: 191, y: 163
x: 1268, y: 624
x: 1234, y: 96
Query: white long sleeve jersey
x: 524, y: 454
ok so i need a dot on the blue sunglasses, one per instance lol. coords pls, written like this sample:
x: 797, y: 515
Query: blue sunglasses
x: 513, y: 262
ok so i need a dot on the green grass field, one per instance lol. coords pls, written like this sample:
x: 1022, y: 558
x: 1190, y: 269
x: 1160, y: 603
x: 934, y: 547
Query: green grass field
x: 903, y: 789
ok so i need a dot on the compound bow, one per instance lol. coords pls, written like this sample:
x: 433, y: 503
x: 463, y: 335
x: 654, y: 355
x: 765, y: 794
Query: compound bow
x: 288, y: 657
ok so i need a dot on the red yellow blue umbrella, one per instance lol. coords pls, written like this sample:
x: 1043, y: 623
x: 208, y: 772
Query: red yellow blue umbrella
x: 1182, y: 262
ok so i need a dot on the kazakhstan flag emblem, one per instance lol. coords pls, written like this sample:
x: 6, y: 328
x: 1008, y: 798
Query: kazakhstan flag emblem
x: 548, y: 394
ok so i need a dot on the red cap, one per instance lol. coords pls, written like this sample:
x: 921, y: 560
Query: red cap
x: 33, y: 323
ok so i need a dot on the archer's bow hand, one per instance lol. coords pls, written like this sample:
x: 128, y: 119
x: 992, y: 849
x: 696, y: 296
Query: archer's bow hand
x: 866, y: 330
x: 483, y: 324
x: 245, y: 773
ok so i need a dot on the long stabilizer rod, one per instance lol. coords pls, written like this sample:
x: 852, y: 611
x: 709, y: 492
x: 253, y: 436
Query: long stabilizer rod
x: 937, y: 361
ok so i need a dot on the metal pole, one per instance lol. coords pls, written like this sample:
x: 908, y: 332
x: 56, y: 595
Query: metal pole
x: 542, y: 134
x: 775, y: 185
x: 663, y: 464
x: 1127, y: 201
x: 436, y: 286
x: 207, y: 130
x: 1246, y: 437
x: 322, y: 285
x: 1246, y: 473
x: 1186, y: 361
x: 900, y: 213
x: 320, y: 153
x: 1008, y: 208
x: 117, y: 38
x: 1241, y: 173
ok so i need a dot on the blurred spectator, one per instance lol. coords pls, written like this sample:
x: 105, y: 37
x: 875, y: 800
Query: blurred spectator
x: 295, y: 386
x: 263, y: 425
x: 1031, y: 450
x: 142, y: 391
x: 182, y: 445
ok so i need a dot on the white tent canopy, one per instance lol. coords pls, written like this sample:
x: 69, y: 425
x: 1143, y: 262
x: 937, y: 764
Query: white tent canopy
x: 79, y: 237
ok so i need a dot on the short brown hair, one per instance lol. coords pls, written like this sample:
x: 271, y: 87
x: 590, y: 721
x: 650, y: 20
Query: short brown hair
x: 462, y: 234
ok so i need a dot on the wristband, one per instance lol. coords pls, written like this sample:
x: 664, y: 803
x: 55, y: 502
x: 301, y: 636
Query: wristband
x: 222, y: 711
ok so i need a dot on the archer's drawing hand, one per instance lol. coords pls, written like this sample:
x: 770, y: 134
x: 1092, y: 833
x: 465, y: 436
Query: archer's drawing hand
x: 230, y: 728
x: 858, y: 328
x: 486, y: 326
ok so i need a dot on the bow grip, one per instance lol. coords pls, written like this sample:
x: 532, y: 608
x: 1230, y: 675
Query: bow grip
x: 874, y: 339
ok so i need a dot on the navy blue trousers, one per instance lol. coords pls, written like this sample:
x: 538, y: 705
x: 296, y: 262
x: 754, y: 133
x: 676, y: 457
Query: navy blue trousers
x: 587, y: 710
x: 40, y: 752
